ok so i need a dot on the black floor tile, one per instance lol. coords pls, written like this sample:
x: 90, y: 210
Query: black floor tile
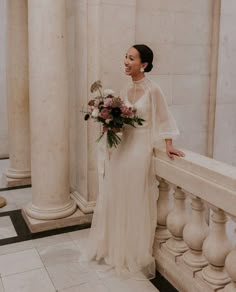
x: 23, y: 232
x: 162, y: 284
x: 3, y: 189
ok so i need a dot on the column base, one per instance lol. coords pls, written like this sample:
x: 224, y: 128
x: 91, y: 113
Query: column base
x: 215, y: 276
x: 50, y: 214
x: 178, y: 274
x: 162, y: 233
x: 195, y: 259
x: 36, y: 225
x: 18, y: 174
x: 84, y: 205
x: 15, y: 182
x: 15, y: 178
x: 176, y: 245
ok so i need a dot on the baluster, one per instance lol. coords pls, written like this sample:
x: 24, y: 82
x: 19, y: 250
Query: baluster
x: 215, y: 248
x: 230, y: 266
x: 163, y: 208
x: 194, y: 234
x: 176, y: 221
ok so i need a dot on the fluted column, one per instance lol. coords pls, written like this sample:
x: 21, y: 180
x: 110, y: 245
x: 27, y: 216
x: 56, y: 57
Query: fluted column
x: 18, y: 92
x: 215, y: 248
x: 163, y: 209
x: 194, y: 234
x: 176, y: 221
x: 49, y: 110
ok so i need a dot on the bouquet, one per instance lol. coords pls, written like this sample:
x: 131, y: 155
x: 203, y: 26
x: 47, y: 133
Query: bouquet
x: 112, y: 113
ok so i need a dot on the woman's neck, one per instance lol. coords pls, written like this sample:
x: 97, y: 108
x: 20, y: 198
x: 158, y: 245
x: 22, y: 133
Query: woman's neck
x: 138, y: 77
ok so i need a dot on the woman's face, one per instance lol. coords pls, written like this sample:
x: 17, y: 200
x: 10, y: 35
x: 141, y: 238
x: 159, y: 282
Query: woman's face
x: 133, y: 63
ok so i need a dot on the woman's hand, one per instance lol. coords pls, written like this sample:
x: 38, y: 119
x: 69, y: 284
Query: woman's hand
x: 171, y: 151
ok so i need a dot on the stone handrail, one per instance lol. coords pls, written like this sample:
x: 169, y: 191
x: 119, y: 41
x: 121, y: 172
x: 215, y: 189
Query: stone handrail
x: 194, y: 254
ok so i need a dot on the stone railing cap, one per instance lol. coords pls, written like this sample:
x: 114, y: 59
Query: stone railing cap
x: 208, y: 168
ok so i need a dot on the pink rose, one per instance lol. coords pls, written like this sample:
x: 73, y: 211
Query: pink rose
x: 108, y: 102
x: 127, y: 111
x: 105, y: 113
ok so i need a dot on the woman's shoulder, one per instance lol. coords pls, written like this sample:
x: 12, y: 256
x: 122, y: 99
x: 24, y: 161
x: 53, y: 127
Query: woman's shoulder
x: 154, y: 87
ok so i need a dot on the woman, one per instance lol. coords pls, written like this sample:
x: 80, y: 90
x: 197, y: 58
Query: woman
x: 124, y: 221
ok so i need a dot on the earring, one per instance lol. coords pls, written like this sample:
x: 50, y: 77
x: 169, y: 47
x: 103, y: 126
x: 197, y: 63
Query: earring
x: 142, y: 69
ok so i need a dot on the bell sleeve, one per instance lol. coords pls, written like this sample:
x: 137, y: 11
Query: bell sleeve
x: 163, y: 123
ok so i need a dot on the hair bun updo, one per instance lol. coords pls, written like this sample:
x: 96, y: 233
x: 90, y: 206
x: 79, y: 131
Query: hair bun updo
x: 148, y: 68
x: 146, y: 56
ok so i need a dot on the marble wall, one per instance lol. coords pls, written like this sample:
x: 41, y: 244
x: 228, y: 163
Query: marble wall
x: 225, y: 122
x: 100, y: 32
x: 96, y: 51
x: 180, y: 34
x: 3, y: 98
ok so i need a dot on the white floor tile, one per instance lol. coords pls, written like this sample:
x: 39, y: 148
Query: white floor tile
x: 21, y: 197
x: 31, y: 281
x: 6, y: 228
x: 117, y: 284
x: 62, y: 253
x: 4, y: 164
x: 9, y: 206
x: 17, y: 197
x: 51, y: 240
x: 69, y: 274
x: 1, y: 286
x: 102, y: 270
x: 67, y: 269
x: 19, y: 262
x: 15, y: 247
x: 88, y: 287
x: 79, y: 234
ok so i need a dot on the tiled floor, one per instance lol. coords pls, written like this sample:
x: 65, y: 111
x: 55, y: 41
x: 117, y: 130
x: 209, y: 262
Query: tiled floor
x: 57, y: 263
x: 50, y: 261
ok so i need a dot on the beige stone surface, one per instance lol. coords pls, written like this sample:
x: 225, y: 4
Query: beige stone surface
x: 207, y: 178
x: 49, y: 109
x: 182, y: 60
x: 3, y: 93
x: 90, y: 59
x: 36, y: 225
x: 225, y: 140
x: 18, y: 90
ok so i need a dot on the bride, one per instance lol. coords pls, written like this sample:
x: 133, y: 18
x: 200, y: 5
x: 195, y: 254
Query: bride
x: 124, y: 220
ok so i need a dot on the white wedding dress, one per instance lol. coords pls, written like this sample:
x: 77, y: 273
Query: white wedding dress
x: 124, y: 220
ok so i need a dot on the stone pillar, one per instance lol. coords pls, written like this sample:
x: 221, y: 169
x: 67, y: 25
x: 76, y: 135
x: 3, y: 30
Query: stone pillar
x: 194, y: 234
x: 176, y: 220
x: 163, y: 209
x: 18, y: 93
x: 231, y: 270
x: 216, y: 247
x: 49, y: 111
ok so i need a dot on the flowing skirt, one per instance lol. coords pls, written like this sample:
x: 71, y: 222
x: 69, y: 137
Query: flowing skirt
x: 124, y: 220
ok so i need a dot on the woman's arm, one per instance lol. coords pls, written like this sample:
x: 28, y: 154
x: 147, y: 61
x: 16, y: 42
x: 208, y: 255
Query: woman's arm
x: 171, y: 151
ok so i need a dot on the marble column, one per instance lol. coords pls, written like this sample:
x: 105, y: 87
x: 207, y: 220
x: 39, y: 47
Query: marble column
x: 18, y: 93
x: 49, y: 111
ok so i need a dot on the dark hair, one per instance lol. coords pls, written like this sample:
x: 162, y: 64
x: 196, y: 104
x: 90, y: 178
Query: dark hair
x: 146, y: 56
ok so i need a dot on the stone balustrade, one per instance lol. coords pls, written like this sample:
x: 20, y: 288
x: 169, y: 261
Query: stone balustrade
x: 197, y: 196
